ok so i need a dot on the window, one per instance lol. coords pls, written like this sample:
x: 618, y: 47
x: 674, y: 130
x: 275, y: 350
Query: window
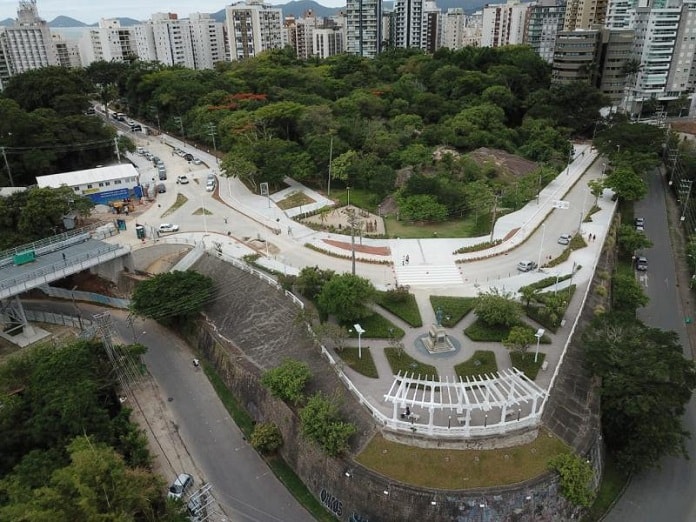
x: 89, y: 186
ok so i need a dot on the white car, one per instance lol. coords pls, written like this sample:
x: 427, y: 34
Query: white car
x: 182, y: 179
x: 564, y: 239
x: 179, y: 487
x: 197, y: 161
x: 168, y: 227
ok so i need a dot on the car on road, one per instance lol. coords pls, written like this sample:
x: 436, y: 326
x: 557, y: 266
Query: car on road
x: 179, y: 487
x: 182, y: 179
x: 526, y: 266
x: 168, y: 227
x: 642, y: 264
x: 197, y: 161
x: 564, y: 239
x: 188, y: 157
x: 639, y: 222
x: 161, y: 188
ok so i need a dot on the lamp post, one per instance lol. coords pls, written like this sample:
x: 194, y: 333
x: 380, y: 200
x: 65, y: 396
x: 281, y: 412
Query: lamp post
x: 360, y: 331
x: 539, y: 334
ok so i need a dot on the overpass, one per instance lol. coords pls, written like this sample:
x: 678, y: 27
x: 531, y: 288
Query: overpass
x: 39, y: 263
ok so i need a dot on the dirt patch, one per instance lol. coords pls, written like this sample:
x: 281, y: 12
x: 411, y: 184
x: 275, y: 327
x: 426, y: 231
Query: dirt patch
x: 86, y: 282
x: 510, y: 234
x: 507, y: 165
x: 688, y: 127
x: 364, y: 249
x: 336, y: 220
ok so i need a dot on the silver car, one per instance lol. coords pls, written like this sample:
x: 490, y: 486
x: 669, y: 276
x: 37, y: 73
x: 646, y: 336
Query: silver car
x: 179, y: 487
x: 564, y: 239
x: 168, y: 227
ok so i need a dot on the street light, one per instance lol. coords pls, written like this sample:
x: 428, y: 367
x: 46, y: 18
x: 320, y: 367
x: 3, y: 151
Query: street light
x: 539, y: 334
x: 360, y: 331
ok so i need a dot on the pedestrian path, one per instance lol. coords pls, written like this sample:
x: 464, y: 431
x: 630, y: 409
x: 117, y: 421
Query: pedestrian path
x: 428, y: 275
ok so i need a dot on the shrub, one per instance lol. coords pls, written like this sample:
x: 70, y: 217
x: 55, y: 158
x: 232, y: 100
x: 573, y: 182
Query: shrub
x: 266, y: 437
x: 321, y: 423
x: 576, y: 478
x: 287, y: 381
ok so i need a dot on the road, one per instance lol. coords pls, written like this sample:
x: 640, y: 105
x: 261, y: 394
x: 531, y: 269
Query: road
x: 663, y: 494
x: 243, y: 484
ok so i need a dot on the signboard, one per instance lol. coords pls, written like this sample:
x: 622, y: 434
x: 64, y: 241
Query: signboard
x: 103, y: 198
x: 264, y: 189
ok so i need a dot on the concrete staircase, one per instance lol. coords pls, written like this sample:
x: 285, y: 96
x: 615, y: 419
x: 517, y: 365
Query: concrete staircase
x: 428, y: 275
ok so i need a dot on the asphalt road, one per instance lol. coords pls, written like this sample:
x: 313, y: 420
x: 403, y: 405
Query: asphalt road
x: 243, y: 484
x: 665, y: 494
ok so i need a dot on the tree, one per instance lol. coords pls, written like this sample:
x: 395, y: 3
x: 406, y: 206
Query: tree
x: 646, y: 382
x: 422, y: 208
x: 632, y: 240
x: 626, y: 183
x: 266, y: 437
x: 346, y: 296
x: 576, y: 478
x: 497, y: 307
x: 321, y: 422
x: 172, y: 297
x: 627, y: 294
x: 288, y: 381
x: 519, y: 339
x: 337, y: 334
x: 596, y: 187
x: 528, y: 293
x: 311, y: 280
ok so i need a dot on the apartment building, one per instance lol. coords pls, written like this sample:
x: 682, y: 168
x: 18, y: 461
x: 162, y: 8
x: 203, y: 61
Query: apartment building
x: 576, y: 57
x: 207, y: 40
x: 584, y: 14
x: 546, y: 18
x: 327, y: 41
x: 253, y: 27
x: 108, y: 42
x: 364, y: 27
x: 300, y: 34
x: 27, y: 44
x: 504, y: 24
x: 67, y: 51
x: 617, y: 46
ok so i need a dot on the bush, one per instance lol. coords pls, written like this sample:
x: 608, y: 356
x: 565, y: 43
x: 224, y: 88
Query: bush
x: 321, y: 423
x: 576, y: 478
x: 266, y: 438
x: 287, y: 381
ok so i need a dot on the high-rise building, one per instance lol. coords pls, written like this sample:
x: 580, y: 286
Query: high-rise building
x: 364, y: 27
x: 67, y: 51
x: 207, y: 39
x: 584, y: 14
x: 108, y: 42
x: 453, y: 33
x: 417, y: 23
x: 619, y: 13
x: 545, y: 22
x: 300, y: 34
x: 253, y: 27
x: 327, y: 41
x: 616, y: 52
x: 504, y: 24
x: 27, y: 44
x: 576, y: 57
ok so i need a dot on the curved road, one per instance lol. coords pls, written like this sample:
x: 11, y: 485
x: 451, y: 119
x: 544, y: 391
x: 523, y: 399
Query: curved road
x: 665, y: 494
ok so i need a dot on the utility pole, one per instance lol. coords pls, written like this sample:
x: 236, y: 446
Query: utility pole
x: 7, y: 165
x: 353, y: 222
x: 211, y: 133
x: 118, y: 152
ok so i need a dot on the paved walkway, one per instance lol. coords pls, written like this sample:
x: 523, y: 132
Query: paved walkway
x: 433, y: 268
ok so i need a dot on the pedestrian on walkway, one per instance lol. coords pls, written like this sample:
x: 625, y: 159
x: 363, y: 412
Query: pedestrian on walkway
x: 407, y: 259
x: 225, y: 220
x: 64, y: 260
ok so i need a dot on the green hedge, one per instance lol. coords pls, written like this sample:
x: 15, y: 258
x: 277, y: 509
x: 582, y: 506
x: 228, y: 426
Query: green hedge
x: 485, y: 333
x: 401, y: 304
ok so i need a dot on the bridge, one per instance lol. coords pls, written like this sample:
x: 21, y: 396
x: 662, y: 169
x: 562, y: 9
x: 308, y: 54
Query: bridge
x: 39, y: 263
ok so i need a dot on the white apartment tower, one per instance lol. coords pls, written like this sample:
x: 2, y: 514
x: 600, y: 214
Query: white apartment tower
x: 172, y: 39
x: 364, y: 27
x: 27, y: 44
x: 109, y: 42
x: 546, y: 19
x: 584, y: 14
x: 300, y: 33
x: 253, y: 27
x: 504, y: 24
x: 67, y: 52
x: 207, y: 39
x: 454, y: 24
x: 408, y: 23
x: 327, y: 42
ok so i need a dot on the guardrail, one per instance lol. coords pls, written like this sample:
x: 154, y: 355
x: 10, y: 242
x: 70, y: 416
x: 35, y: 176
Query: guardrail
x: 41, y: 316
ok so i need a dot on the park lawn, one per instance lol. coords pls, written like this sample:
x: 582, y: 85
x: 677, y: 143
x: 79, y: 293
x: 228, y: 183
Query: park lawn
x: 454, y: 309
x: 293, y: 200
x: 453, y: 228
x: 407, y: 310
x: 482, y: 362
x: 376, y: 327
x: 404, y: 363
x: 361, y: 198
x: 180, y: 202
x: 525, y: 362
x: 365, y: 366
x: 201, y: 211
x: 485, y: 333
x: 461, y: 469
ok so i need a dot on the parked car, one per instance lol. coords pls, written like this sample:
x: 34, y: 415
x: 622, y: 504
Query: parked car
x: 179, y: 487
x: 210, y: 185
x: 161, y: 188
x: 565, y: 239
x: 182, y: 179
x: 642, y: 263
x: 526, y: 266
x: 639, y: 222
x: 188, y: 157
x: 197, y: 161
x: 168, y: 227
x: 140, y: 150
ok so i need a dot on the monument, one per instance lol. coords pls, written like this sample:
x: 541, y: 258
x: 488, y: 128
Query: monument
x: 437, y: 340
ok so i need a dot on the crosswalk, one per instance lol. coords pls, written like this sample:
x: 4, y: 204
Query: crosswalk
x: 428, y: 275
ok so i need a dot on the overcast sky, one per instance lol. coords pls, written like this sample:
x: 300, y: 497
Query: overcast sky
x: 90, y: 11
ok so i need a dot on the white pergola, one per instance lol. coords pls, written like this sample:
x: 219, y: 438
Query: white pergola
x: 509, y: 397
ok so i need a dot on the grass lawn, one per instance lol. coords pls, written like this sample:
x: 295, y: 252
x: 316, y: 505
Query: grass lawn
x: 454, y: 228
x: 364, y: 366
x: 459, y: 469
x: 405, y: 363
x: 525, y: 362
x: 406, y: 309
x: 613, y: 482
x: 482, y: 332
x: 376, y: 327
x: 454, y: 308
x: 201, y: 211
x: 483, y: 361
x: 361, y: 198
x: 180, y: 202
x: 293, y: 200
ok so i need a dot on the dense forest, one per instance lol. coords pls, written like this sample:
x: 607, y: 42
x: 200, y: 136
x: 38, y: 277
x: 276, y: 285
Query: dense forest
x: 275, y: 116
